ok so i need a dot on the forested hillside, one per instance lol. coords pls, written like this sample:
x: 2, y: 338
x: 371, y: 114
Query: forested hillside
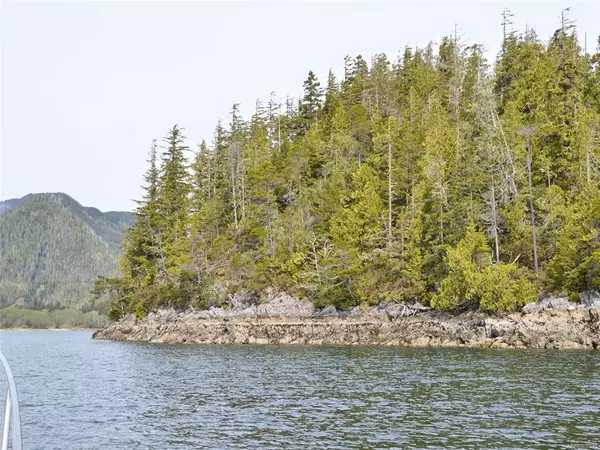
x: 437, y: 177
x: 52, y: 249
x: 7, y: 205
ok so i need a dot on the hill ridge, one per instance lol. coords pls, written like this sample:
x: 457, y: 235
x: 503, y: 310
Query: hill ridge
x: 52, y: 248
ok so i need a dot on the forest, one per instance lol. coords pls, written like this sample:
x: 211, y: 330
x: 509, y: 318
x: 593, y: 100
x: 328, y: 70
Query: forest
x: 441, y: 177
x: 52, y: 249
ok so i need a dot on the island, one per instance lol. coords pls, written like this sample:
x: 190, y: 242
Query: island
x: 430, y: 200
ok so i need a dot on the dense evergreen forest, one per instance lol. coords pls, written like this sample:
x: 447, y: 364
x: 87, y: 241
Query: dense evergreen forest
x: 51, y: 250
x: 438, y: 178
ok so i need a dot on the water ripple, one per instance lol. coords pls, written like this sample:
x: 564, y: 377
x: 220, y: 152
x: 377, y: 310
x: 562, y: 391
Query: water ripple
x: 81, y: 394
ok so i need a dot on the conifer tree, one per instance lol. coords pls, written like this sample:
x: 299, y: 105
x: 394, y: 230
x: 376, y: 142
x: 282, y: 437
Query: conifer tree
x: 431, y: 179
x: 311, y: 101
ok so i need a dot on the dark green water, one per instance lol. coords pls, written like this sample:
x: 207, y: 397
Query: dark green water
x: 80, y: 394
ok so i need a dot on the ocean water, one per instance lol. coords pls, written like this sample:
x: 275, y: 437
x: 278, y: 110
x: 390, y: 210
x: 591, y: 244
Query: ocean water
x: 76, y: 393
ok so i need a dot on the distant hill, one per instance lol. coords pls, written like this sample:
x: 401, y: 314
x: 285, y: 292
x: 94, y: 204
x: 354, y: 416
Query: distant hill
x: 52, y: 249
x: 7, y: 205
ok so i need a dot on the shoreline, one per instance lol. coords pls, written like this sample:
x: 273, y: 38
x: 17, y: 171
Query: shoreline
x: 48, y: 329
x: 566, y: 327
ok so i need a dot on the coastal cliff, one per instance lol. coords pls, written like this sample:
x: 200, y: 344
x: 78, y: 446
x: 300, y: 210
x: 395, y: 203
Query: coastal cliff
x: 552, y: 323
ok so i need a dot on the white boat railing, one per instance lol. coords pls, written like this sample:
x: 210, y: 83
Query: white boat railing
x: 11, y: 410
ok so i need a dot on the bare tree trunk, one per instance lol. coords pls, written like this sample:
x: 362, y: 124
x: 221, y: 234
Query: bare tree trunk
x: 270, y: 230
x: 209, y: 181
x: 197, y: 263
x: 316, y: 260
x: 234, y: 195
x: 531, y: 209
x: 402, y: 236
x: 215, y: 176
x: 588, y: 165
x: 234, y: 157
x: 412, y: 197
x: 495, y: 221
x: 513, y: 175
x: 279, y: 128
x: 162, y: 259
x: 243, y: 191
x: 331, y: 142
x: 441, y: 224
x: 389, y: 182
x: 290, y: 227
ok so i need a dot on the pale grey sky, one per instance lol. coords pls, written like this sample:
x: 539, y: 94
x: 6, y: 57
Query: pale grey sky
x: 87, y: 86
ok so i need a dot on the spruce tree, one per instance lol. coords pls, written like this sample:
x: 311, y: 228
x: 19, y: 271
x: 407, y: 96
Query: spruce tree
x: 435, y: 179
x: 311, y: 101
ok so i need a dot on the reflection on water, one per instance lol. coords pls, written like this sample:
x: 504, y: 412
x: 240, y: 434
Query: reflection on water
x: 80, y: 394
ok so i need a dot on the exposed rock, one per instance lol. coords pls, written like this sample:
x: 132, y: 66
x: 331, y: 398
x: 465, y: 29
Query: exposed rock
x: 328, y: 311
x: 419, y: 306
x: 395, y: 309
x: 553, y: 302
x: 285, y: 305
x: 286, y: 320
x: 496, y: 332
x: 387, y: 310
x: 590, y: 299
x: 243, y: 300
x: 392, y: 310
x: 248, y: 306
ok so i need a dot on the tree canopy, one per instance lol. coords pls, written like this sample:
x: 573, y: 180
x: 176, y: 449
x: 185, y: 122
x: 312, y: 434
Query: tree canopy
x: 436, y: 178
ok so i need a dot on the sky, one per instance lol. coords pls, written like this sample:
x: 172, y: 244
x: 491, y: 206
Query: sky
x: 86, y: 86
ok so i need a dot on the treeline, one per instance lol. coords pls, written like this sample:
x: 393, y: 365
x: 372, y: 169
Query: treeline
x: 14, y: 317
x: 434, y: 178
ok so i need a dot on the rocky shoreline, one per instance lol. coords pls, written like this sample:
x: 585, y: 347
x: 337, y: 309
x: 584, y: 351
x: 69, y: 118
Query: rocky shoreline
x: 552, y: 323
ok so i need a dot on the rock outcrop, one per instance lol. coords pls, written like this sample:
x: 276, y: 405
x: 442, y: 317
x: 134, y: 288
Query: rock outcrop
x: 286, y: 320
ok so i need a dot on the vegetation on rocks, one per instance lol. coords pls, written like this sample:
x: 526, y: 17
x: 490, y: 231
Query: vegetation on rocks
x: 434, y: 178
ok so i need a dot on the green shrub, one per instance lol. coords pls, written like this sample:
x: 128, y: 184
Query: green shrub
x: 474, y: 281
